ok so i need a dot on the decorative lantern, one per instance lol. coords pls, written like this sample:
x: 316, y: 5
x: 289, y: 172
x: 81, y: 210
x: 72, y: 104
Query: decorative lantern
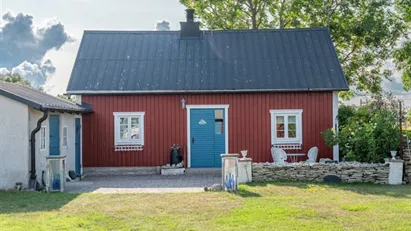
x: 56, y: 167
x: 183, y: 103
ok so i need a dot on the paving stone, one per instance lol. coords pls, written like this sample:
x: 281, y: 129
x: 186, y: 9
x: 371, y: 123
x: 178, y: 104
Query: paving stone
x: 143, y: 184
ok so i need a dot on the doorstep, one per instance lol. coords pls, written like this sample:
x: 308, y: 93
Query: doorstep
x: 119, y: 171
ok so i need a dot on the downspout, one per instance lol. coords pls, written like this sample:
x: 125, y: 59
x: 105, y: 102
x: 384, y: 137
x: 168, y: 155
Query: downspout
x: 33, y: 176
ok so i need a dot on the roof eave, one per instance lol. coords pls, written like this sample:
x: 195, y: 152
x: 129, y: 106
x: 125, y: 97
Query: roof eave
x: 86, y: 108
x: 21, y: 100
x: 108, y: 92
x: 41, y: 107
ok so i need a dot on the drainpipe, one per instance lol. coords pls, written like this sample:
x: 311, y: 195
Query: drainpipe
x: 33, y: 176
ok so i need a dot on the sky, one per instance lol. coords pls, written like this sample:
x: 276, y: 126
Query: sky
x: 45, y: 34
x: 63, y: 22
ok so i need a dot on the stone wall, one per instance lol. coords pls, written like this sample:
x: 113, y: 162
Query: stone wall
x: 407, y: 165
x: 347, y: 171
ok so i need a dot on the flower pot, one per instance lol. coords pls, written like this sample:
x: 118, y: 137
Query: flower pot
x: 244, y: 153
x: 393, y: 154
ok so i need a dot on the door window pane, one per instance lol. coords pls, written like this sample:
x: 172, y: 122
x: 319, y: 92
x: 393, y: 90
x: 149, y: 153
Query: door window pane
x: 219, y: 121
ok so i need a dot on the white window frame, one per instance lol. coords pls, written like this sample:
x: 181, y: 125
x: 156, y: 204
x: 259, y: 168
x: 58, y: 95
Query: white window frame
x: 291, y: 112
x: 64, y: 142
x: 43, y: 138
x: 117, y: 140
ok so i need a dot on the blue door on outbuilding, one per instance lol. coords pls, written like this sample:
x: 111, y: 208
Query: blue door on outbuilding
x: 77, y: 146
x: 54, y: 124
x: 207, y: 137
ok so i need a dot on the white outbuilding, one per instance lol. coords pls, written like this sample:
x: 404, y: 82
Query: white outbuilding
x: 34, y: 125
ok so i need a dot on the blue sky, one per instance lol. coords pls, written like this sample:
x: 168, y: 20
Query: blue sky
x: 79, y: 15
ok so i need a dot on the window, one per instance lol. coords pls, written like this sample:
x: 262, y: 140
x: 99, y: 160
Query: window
x: 65, y: 136
x: 129, y: 128
x: 43, y: 138
x: 219, y: 121
x: 286, y: 126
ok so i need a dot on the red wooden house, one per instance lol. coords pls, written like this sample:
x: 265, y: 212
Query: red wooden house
x: 211, y: 92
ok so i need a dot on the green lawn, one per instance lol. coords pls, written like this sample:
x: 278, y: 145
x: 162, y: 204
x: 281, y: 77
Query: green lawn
x: 268, y: 206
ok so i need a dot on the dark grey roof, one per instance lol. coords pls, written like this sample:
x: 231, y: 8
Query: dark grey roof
x: 37, y: 99
x: 218, y: 61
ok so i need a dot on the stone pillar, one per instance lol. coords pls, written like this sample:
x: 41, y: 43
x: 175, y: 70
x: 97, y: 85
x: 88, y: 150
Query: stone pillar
x: 230, y: 172
x: 396, y: 170
x: 244, y: 170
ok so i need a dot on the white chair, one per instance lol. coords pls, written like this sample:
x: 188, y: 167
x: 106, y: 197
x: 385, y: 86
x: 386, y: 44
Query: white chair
x: 312, y: 155
x: 279, y: 155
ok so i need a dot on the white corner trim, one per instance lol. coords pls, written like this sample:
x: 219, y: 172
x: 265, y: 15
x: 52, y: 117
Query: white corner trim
x: 205, y: 106
x: 299, y: 139
x: 188, y: 138
x: 78, y: 99
x: 336, y: 151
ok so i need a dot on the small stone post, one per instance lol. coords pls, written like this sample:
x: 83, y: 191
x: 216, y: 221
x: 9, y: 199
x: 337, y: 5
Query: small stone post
x: 396, y: 171
x: 229, y: 172
x: 244, y: 170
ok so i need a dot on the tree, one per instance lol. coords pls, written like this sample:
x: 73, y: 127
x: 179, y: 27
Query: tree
x: 402, y: 56
x: 17, y: 79
x: 402, y: 59
x: 364, y: 32
x: 14, y: 78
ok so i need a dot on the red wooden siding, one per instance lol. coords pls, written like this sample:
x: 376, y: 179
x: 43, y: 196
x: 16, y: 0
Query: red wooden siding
x: 166, y: 123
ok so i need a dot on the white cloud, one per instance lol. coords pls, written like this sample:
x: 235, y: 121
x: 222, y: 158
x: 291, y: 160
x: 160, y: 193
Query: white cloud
x: 23, y: 46
x: 4, y: 71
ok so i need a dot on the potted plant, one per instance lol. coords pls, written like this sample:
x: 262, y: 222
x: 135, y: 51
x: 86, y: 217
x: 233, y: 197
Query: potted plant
x: 176, y: 164
x: 393, y: 144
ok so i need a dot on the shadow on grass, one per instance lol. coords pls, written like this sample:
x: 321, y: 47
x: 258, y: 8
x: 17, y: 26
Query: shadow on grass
x: 398, y: 191
x: 18, y: 202
x: 245, y: 193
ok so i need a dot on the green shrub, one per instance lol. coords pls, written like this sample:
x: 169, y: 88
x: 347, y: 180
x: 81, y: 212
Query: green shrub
x: 367, y: 134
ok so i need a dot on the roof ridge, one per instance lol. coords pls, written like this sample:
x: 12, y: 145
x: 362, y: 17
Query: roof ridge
x: 214, y: 31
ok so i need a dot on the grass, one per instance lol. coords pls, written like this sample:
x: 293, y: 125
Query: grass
x: 257, y: 206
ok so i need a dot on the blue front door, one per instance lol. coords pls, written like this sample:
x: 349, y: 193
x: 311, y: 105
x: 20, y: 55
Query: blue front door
x: 54, y: 124
x: 77, y: 146
x: 207, y: 137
